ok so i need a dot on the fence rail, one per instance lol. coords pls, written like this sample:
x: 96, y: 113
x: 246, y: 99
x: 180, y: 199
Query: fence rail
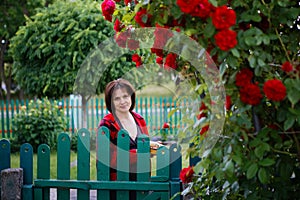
x: 155, y: 110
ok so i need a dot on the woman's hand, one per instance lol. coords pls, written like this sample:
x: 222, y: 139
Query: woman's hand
x: 155, y: 145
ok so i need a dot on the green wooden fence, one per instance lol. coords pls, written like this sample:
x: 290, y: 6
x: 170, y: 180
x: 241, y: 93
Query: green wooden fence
x: 164, y: 185
x: 155, y: 110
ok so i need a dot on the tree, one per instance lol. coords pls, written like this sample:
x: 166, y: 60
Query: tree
x: 53, y: 45
x: 12, y: 15
x: 255, y: 46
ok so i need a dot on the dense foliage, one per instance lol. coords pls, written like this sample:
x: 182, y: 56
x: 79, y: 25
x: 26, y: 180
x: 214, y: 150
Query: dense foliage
x: 12, y: 15
x: 49, y: 50
x: 38, y: 123
x: 255, y: 45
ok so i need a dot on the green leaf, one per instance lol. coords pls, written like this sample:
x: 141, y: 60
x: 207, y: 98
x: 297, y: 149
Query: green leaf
x: 252, y: 170
x: 261, y: 149
x: 252, y: 61
x: 209, y: 29
x: 214, y: 3
x: 289, y: 123
x: 235, y: 52
x: 263, y: 176
x: 266, y: 162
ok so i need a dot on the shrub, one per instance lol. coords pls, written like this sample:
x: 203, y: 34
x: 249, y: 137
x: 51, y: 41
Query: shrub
x: 38, y: 123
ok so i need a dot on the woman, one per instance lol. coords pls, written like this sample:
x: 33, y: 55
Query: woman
x: 120, y: 102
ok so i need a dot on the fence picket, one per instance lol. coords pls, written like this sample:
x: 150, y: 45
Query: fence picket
x: 5, y: 154
x: 143, y: 163
x: 103, y: 160
x: 83, y: 161
x: 26, y: 163
x: 63, y: 164
x: 123, y: 162
x: 43, y: 171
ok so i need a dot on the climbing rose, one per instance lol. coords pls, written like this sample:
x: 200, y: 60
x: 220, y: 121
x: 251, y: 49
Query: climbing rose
x: 223, y: 17
x: 118, y: 26
x: 143, y: 18
x: 228, y: 102
x: 186, y: 174
x: 186, y: 6
x: 171, y: 61
x: 287, y: 66
x: 204, y: 129
x: 108, y: 8
x: 202, y: 9
x: 250, y: 94
x: 137, y: 59
x: 159, y: 60
x: 226, y: 39
x: 166, y: 125
x: 274, y: 90
x: 243, y: 77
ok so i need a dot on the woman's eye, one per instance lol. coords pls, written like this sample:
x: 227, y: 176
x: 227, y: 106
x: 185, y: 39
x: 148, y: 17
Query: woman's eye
x: 117, y: 98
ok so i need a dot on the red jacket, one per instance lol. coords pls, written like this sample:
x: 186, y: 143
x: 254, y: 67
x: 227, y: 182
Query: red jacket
x: 113, y: 126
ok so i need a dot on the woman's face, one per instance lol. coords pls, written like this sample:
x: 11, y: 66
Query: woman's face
x: 121, y: 101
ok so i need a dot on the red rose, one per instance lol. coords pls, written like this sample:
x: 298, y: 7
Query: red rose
x: 223, y: 17
x: 126, y: 2
x: 186, y: 174
x: 250, y: 94
x: 171, y: 61
x: 202, y: 9
x: 160, y: 61
x: 158, y: 52
x: 143, y: 18
x: 243, y: 77
x: 226, y: 39
x: 137, y: 59
x: 118, y: 26
x: 228, y: 102
x: 204, y: 129
x: 108, y: 8
x: 287, y: 66
x: 274, y: 90
x: 186, y: 6
x: 166, y: 125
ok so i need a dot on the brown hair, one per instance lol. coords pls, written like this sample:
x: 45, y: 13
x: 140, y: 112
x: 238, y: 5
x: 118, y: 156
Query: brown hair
x: 118, y: 84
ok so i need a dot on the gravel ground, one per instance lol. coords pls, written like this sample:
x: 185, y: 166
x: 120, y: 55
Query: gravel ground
x: 73, y: 192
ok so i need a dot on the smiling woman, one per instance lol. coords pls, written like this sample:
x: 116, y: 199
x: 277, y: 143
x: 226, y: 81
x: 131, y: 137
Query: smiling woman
x: 120, y: 101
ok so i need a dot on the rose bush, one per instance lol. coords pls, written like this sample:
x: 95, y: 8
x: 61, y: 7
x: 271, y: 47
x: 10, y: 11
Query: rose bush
x: 255, y: 45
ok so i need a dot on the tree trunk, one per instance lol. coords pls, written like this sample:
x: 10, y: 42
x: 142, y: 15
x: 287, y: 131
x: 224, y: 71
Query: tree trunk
x: 84, y: 111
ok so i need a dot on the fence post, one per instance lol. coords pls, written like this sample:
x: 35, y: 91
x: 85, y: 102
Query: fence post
x: 11, y: 183
x: 26, y: 163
